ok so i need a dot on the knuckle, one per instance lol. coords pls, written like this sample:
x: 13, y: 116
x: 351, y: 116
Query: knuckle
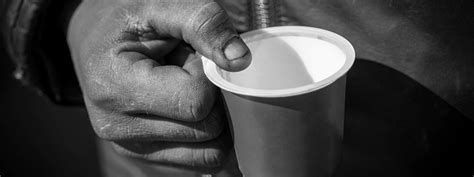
x: 101, y: 92
x: 196, y: 102
x: 197, y: 109
x: 107, y: 128
x: 210, y: 19
x: 106, y: 131
x: 109, y: 96
x: 192, y: 110
x: 207, y: 14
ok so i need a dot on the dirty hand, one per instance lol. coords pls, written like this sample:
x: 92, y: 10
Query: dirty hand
x: 143, y: 84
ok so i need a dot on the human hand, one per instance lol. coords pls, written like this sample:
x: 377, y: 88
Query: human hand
x: 144, y: 89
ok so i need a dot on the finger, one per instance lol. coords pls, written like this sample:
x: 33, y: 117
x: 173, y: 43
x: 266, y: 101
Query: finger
x: 145, y: 127
x: 206, y: 26
x: 131, y: 83
x: 209, y: 154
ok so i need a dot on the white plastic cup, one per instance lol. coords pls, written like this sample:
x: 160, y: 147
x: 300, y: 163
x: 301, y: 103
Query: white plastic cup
x: 286, y: 109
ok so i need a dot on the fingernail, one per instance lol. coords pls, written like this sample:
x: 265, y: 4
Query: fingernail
x: 235, y: 49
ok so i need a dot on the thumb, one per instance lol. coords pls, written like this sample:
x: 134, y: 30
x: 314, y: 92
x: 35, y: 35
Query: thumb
x: 208, y: 29
x: 211, y: 33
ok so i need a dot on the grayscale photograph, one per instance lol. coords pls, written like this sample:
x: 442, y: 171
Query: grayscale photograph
x: 237, y: 88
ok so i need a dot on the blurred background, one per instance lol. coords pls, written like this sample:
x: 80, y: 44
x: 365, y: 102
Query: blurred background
x: 38, y: 138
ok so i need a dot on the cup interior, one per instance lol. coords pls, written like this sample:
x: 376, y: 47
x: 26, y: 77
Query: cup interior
x: 286, y: 61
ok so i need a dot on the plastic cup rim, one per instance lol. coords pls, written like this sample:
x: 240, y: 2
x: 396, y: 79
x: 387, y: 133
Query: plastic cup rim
x: 211, y: 69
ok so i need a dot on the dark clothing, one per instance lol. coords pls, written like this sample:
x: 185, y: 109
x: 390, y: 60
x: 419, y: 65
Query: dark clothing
x: 35, y: 41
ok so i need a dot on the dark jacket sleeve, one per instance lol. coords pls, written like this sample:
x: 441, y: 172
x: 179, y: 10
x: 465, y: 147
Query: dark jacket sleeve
x: 36, y: 44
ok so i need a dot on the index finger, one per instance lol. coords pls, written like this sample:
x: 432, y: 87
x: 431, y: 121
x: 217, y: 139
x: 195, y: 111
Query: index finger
x: 143, y: 86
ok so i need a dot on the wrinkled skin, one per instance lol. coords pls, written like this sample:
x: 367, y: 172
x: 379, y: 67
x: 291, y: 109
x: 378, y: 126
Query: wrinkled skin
x: 143, y: 83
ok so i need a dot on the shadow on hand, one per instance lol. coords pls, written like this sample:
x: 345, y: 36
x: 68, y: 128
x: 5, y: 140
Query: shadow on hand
x: 396, y: 127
